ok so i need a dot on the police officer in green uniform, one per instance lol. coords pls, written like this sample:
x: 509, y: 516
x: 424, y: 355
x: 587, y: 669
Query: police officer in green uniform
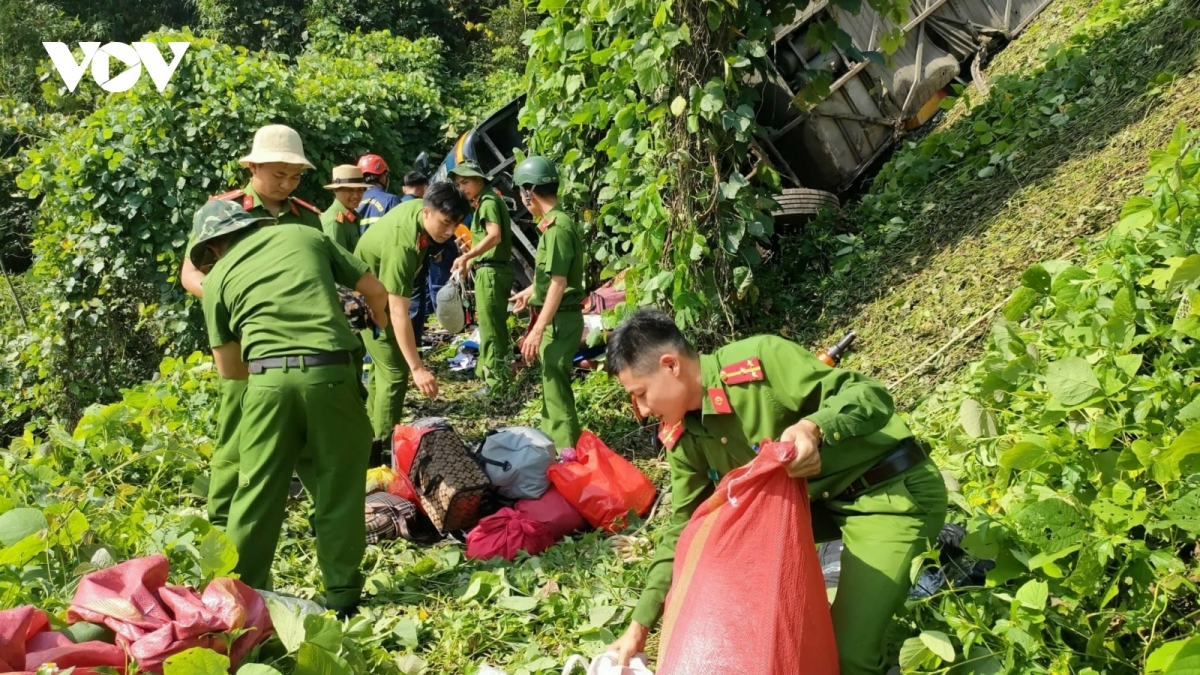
x: 340, y: 222
x: 556, y: 297
x: 870, y: 481
x: 276, y: 162
x: 393, y: 249
x: 275, y: 321
x: 491, y: 258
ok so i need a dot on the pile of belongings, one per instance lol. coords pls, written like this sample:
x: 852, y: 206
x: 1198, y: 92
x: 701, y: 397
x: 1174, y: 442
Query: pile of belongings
x: 468, y: 351
x: 511, y: 494
x: 149, y: 620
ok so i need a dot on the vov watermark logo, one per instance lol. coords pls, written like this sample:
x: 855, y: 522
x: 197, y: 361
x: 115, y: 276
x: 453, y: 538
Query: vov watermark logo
x: 134, y: 56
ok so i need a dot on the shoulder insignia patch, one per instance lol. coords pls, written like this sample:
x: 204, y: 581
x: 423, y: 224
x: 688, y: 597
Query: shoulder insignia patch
x: 340, y: 217
x: 670, y: 435
x: 720, y: 401
x: 546, y: 223
x: 305, y: 204
x: 741, y: 372
x: 247, y: 202
x: 227, y: 196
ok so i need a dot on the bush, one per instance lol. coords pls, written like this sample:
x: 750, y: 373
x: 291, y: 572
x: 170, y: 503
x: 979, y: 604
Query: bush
x: 118, y: 191
x: 1077, y: 443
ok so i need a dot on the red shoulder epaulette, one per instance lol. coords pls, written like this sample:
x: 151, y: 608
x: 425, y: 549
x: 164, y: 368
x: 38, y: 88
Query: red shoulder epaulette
x: 720, y: 401
x: 749, y: 370
x: 227, y: 196
x: 670, y: 435
x: 340, y: 217
x: 306, y: 205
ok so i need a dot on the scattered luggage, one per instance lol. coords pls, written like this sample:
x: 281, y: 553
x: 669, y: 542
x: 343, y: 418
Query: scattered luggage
x: 434, y: 465
x: 554, y: 512
x: 602, y: 485
x: 390, y: 517
x: 747, y: 559
x: 505, y: 534
x: 449, y: 311
x: 27, y: 643
x: 515, y: 460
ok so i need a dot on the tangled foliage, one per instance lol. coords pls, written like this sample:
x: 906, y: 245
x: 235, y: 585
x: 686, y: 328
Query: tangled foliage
x: 1077, y: 440
x: 647, y: 105
x: 118, y: 191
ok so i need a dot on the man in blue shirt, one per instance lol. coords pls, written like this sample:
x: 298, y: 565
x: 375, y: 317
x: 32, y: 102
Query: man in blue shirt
x: 376, y: 200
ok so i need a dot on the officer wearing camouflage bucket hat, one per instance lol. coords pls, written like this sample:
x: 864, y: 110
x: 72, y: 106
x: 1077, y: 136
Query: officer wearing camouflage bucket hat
x: 340, y: 222
x: 276, y: 161
x: 274, y: 320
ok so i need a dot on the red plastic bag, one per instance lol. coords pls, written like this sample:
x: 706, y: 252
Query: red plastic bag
x: 748, y: 597
x: 27, y: 643
x: 405, y: 441
x: 506, y: 533
x: 602, y: 485
x: 554, y: 511
x: 154, y: 621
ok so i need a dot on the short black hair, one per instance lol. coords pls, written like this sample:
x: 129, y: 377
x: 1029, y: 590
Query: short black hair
x: 547, y: 190
x: 445, y: 198
x: 643, y: 337
x: 415, y: 179
x: 374, y: 178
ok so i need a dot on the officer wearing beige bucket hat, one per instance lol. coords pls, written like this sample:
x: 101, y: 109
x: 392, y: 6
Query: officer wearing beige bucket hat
x: 276, y: 161
x: 340, y: 222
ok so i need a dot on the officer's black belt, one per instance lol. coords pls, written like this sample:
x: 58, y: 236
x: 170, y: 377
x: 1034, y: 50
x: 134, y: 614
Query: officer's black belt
x: 491, y: 263
x: 906, y: 455
x: 300, y: 361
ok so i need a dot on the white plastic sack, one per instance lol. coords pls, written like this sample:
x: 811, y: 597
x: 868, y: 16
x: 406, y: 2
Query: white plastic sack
x: 450, y: 306
x: 606, y: 664
x: 515, y: 460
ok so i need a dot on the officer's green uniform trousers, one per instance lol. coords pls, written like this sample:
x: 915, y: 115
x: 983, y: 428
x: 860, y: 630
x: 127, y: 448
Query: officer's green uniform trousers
x: 560, y: 342
x: 883, y: 530
x: 387, y: 383
x: 309, y: 420
x: 493, y: 284
x: 223, y: 471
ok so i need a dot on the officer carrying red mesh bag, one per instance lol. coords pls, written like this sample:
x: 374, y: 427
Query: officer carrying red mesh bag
x: 748, y: 596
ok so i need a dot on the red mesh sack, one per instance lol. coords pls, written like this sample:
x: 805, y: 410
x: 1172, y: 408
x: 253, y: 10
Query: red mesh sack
x: 506, y: 533
x: 554, y: 511
x: 748, y: 597
x: 154, y: 621
x: 602, y: 485
x: 27, y: 643
x: 405, y: 442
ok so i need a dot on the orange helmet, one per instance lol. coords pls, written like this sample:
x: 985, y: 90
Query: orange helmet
x: 372, y: 164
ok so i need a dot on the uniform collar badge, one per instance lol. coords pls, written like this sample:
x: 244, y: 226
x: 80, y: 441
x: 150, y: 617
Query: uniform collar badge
x: 669, y: 436
x: 546, y: 223
x: 719, y: 400
x: 422, y: 241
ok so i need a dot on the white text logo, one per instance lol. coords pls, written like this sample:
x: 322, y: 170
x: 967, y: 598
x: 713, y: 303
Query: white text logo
x: 133, y: 56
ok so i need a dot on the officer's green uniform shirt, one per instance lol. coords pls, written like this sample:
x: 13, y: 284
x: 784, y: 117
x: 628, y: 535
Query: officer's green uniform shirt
x: 292, y: 211
x: 394, y: 247
x: 341, y: 225
x: 559, y: 253
x: 855, y: 413
x: 271, y: 305
x: 492, y: 210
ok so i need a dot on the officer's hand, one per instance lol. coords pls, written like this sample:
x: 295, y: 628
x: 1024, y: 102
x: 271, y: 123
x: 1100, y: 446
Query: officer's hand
x: 630, y: 644
x: 806, y: 436
x: 426, y: 383
x: 521, y: 300
x: 461, y: 266
x: 532, y: 344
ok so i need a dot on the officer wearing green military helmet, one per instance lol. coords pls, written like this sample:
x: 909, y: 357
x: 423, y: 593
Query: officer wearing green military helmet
x: 275, y: 321
x: 555, y: 298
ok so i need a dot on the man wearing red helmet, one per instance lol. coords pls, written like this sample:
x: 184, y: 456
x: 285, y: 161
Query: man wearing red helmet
x: 376, y: 200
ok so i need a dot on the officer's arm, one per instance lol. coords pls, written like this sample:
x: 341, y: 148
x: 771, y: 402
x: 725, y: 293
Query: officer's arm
x: 192, y: 278
x: 554, y: 296
x: 402, y: 327
x: 376, y: 296
x: 843, y: 403
x: 689, y: 489
x: 230, y: 365
x: 486, y: 244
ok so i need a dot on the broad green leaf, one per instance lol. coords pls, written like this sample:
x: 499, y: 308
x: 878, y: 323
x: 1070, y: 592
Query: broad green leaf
x: 1037, y: 278
x: 410, y: 664
x: 1129, y: 363
x: 257, y: 669
x: 289, y: 625
x: 976, y: 420
x: 1179, y: 454
x: 1034, y: 594
x: 518, y: 603
x: 24, y: 551
x: 1022, y: 300
x: 196, y: 661
x: 1027, y: 454
x: 1187, y: 659
x: 1137, y: 213
x: 406, y: 631
x: 218, y: 555
x: 1160, y: 659
x: 18, y: 524
x: 939, y: 644
x: 1189, y: 412
x: 678, y: 106
x: 313, y: 660
x: 913, y: 653
x: 1040, y: 560
x: 323, y: 632
x: 601, y: 615
x: 1186, y: 274
x: 1053, y: 524
x: 1071, y: 381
